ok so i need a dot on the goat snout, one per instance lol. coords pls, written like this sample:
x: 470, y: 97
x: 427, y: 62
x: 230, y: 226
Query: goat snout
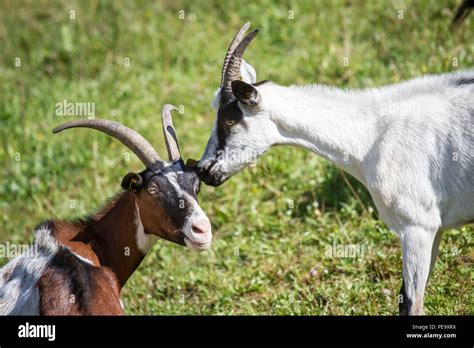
x: 199, y: 234
x: 209, y: 176
x: 201, y: 226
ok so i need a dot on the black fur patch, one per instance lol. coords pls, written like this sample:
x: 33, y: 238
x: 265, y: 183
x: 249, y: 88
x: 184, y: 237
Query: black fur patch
x: 405, y: 303
x: 463, y: 81
x: 256, y: 84
x: 230, y: 112
x: 78, y: 273
x: 177, y: 207
x: 45, y: 225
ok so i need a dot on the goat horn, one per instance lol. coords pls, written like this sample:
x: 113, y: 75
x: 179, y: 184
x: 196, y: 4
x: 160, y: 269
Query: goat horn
x: 171, y: 138
x: 130, y: 138
x: 235, y: 42
x: 232, y: 68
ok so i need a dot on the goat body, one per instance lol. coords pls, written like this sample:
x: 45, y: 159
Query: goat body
x: 80, y: 267
x: 411, y: 144
x: 77, y: 268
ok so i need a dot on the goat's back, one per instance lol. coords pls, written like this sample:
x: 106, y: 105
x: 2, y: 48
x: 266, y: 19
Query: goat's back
x: 49, y: 279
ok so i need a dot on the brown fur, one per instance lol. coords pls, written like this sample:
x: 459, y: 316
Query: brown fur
x: 70, y: 286
x: 107, y: 239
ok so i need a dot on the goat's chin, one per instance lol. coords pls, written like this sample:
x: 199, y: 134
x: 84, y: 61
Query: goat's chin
x: 197, y: 246
x: 215, y: 180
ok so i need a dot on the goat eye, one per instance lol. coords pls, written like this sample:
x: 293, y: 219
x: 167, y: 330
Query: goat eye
x: 152, y: 190
x: 229, y: 122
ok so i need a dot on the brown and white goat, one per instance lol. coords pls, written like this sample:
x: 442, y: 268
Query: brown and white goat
x: 79, y: 268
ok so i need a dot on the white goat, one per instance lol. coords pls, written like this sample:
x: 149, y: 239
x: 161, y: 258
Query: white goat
x: 410, y: 144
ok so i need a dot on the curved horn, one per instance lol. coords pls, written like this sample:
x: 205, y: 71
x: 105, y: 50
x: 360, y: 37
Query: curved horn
x: 171, y: 138
x: 130, y: 138
x: 232, y: 71
x: 235, y: 42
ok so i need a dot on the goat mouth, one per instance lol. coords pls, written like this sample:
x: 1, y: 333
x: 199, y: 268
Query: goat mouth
x: 208, y: 178
x: 213, y: 180
x: 198, y: 246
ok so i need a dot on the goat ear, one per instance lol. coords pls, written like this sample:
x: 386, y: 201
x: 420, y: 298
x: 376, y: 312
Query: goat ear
x: 132, y: 182
x: 248, y: 72
x: 245, y: 93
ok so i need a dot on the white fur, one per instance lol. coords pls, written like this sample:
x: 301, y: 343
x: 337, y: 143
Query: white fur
x: 201, y: 241
x: 411, y: 144
x: 194, y: 241
x: 83, y: 259
x: 18, y: 292
x: 144, y: 240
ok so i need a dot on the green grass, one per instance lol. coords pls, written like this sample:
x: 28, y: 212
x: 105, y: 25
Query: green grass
x: 272, y: 223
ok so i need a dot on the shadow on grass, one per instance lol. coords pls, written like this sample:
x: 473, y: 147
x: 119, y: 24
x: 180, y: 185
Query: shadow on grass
x: 334, y: 193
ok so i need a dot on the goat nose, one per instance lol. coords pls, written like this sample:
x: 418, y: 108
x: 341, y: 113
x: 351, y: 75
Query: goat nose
x: 201, y: 226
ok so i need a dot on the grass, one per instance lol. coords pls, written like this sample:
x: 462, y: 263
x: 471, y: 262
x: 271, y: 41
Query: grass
x: 273, y: 223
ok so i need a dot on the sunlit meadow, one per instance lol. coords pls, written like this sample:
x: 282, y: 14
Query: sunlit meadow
x: 277, y: 225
